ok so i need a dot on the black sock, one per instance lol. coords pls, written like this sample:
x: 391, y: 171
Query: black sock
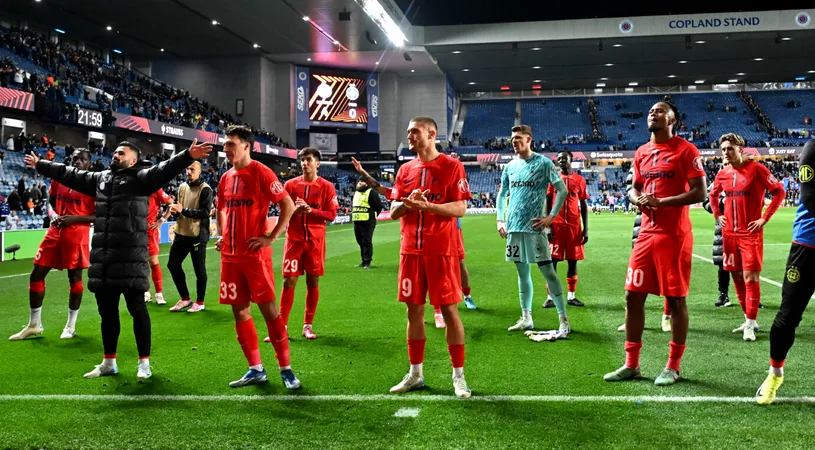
x: 724, y: 281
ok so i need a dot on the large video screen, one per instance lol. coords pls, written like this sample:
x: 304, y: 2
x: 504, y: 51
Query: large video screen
x: 337, y: 100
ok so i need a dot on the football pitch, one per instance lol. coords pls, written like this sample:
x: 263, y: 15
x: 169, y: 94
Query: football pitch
x: 537, y: 395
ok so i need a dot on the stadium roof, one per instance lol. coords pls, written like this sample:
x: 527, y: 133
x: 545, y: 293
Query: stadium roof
x: 463, y: 12
x: 184, y: 29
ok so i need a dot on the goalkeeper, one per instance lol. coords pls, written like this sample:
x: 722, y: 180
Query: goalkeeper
x: 525, y: 181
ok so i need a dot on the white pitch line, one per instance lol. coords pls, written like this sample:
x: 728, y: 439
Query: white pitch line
x: 407, y: 412
x: 767, y: 280
x: 399, y: 398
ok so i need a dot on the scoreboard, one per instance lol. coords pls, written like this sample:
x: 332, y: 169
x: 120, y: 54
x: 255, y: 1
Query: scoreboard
x: 336, y: 99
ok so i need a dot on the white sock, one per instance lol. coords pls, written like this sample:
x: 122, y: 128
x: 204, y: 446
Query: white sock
x: 527, y: 315
x: 666, y: 316
x: 416, y: 369
x: 109, y: 362
x: 282, y: 368
x: 36, y: 316
x: 571, y: 296
x: 562, y: 316
x: 751, y: 323
x: 258, y: 367
x: 144, y: 362
x: 72, y: 313
x: 777, y: 371
x: 548, y: 297
x: 458, y: 372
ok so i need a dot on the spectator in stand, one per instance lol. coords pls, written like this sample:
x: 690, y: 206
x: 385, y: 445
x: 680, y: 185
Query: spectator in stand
x: 12, y: 221
x: 4, y: 210
x: 35, y: 195
x: 50, y: 154
x: 21, y: 189
x: 10, y: 143
x: 14, y: 201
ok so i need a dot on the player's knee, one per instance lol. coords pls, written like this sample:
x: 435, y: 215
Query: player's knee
x: 77, y: 288
x: 312, y: 281
x: 290, y: 282
x: 38, y: 274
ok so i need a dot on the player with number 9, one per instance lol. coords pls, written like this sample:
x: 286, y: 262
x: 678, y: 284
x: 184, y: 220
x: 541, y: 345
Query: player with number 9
x: 429, y: 193
x: 245, y: 193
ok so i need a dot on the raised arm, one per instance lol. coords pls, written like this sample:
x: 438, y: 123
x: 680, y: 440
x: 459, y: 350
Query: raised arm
x: 78, y: 180
x: 156, y: 177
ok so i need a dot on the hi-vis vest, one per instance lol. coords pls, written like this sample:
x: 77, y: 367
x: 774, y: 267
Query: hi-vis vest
x: 188, y: 198
x: 361, y: 211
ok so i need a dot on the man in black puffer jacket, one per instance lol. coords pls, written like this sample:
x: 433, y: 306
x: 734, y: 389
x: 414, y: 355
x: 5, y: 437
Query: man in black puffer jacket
x: 119, y: 244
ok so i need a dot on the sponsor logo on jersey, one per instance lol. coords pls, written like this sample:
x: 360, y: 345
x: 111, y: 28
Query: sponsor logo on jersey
x: 731, y: 194
x: 238, y: 202
x: 520, y: 183
x: 655, y: 174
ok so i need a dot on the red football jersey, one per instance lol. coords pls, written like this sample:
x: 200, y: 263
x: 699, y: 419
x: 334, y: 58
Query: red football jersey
x: 71, y: 203
x: 664, y: 170
x: 576, y: 190
x: 425, y: 233
x: 319, y: 194
x: 157, y: 199
x: 246, y: 195
x: 744, y: 190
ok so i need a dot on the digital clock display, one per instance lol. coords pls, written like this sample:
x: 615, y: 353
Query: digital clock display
x: 89, y: 117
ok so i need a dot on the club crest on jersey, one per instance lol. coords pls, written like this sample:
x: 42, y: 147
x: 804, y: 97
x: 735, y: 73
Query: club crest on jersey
x: 276, y: 188
x: 463, y: 185
x: 793, y: 275
x: 697, y: 164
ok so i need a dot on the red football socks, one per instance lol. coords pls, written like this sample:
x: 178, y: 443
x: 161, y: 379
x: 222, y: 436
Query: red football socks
x: 248, y: 339
x: 675, y: 353
x: 158, y: 279
x: 572, y: 283
x: 36, y: 286
x: 286, y: 302
x: 466, y: 291
x: 456, y: 355
x: 416, y: 351
x: 666, y: 307
x: 312, y: 297
x: 437, y: 309
x: 776, y: 364
x: 632, y: 354
x: 753, y: 299
x: 280, y: 341
x: 741, y: 293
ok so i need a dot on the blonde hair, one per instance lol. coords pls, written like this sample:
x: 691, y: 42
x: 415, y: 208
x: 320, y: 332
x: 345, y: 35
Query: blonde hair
x: 734, y: 139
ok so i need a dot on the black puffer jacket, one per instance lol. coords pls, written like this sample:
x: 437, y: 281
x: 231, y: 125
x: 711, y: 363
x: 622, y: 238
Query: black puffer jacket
x: 119, y: 245
x: 718, y: 243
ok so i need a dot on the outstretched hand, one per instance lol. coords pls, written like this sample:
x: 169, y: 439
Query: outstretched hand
x: 31, y: 160
x: 198, y: 151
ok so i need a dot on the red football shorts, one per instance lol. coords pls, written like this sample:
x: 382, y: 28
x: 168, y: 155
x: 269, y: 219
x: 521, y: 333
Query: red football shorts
x: 61, y: 255
x: 304, y: 257
x: 567, y: 243
x: 248, y: 279
x: 440, y: 276
x: 153, y: 242
x: 461, y: 254
x: 660, y: 265
x: 743, y: 253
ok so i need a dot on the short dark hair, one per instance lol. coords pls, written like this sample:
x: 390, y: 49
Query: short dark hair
x: 131, y: 146
x: 523, y: 129
x: 429, y: 121
x: 82, y: 150
x: 673, y: 108
x: 568, y: 153
x: 243, y: 133
x: 310, y: 151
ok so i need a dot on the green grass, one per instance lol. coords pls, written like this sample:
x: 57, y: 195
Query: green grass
x: 361, y: 350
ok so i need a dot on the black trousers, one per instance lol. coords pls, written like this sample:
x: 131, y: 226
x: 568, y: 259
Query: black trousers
x: 797, y: 289
x: 108, y: 303
x: 196, y: 247
x: 364, y: 232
